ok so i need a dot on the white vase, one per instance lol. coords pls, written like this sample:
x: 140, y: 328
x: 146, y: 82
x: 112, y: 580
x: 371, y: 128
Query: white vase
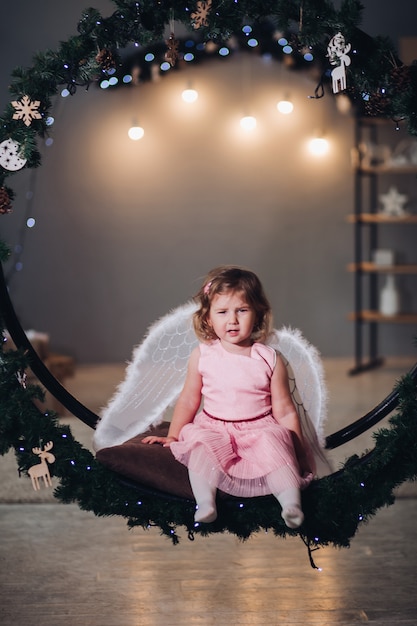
x: 389, y: 303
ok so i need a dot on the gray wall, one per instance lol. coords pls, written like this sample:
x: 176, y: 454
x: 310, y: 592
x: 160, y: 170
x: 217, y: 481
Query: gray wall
x: 126, y: 230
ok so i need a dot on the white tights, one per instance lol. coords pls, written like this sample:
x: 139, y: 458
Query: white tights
x: 290, y: 501
x: 205, y: 496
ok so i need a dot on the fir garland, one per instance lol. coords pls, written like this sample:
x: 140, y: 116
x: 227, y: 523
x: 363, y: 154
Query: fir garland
x: 335, y: 505
x: 377, y: 80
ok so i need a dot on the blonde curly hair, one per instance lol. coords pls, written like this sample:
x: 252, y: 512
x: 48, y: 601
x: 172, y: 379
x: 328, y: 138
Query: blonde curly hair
x: 232, y: 279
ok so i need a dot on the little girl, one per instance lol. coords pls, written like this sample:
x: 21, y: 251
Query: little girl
x: 247, y: 439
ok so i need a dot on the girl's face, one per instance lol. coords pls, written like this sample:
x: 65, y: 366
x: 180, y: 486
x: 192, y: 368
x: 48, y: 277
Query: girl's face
x: 232, y: 319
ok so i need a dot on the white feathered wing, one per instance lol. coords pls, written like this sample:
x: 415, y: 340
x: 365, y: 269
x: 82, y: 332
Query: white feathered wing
x: 156, y: 373
x: 153, y: 382
x: 308, y: 389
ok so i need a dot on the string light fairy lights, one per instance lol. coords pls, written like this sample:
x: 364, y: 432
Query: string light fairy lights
x: 285, y: 107
x: 189, y: 95
x: 136, y: 132
x: 318, y: 146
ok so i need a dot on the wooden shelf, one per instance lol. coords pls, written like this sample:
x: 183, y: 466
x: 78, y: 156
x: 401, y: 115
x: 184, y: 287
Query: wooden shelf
x: 375, y: 316
x: 378, y: 218
x: 369, y: 172
x: 377, y: 121
x: 387, y: 169
x: 367, y: 266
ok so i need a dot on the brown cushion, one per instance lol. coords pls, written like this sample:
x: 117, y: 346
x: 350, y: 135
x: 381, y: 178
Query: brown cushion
x: 150, y: 465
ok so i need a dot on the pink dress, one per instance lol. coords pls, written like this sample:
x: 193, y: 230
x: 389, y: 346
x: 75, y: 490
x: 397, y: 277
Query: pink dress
x: 234, y: 442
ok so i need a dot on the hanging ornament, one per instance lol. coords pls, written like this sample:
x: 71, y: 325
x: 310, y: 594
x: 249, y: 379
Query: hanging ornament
x: 337, y: 51
x: 5, y: 202
x: 40, y: 470
x: 10, y: 157
x: 105, y: 59
x: 26, y: 110
x: 401, y: 77
x: 377, y: 103
x: 199, y: 17
x: 393, y: 203
x: 22, y: 378
x: 172, y: 54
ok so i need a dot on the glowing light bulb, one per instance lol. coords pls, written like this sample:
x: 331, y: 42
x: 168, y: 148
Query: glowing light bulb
x: 285, y: 107
x: 248, y: 123
x: 135, y: 133
x: 189, y: 95
x: 318, y: 146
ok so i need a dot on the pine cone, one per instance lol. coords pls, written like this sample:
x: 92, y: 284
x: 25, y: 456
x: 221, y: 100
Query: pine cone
x: 172, y: 53
x: 105, y: 58
x: 400, y: 77
x: 376, y: 105
x: 5, y: 203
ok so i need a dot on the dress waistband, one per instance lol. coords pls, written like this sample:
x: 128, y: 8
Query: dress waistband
x: 247, y: 419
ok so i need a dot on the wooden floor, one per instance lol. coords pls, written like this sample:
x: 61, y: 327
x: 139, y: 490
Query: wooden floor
x: 62, y: 566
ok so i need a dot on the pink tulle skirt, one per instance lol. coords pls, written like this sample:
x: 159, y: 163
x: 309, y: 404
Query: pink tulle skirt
x: 245, y: 458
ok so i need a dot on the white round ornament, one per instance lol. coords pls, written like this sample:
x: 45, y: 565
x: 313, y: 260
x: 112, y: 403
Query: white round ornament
x: 9, y: 156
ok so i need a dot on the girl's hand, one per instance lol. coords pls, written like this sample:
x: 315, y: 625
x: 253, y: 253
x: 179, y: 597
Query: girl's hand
x: 164, y: 441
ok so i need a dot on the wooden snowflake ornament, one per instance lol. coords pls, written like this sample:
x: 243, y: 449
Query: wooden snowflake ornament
x: 26, y: 110
x: 199, y: 17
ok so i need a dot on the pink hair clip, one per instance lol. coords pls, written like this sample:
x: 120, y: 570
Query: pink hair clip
x: 207, y: 288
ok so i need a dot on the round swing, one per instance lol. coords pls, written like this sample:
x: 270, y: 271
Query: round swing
x: 146, y: 485
x: 335, y: 504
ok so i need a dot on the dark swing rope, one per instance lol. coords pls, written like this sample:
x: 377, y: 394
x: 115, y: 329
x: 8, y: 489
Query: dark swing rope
x: 90, y: 418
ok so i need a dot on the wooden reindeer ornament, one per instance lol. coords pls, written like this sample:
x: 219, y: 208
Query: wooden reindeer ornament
x: 41, y: 470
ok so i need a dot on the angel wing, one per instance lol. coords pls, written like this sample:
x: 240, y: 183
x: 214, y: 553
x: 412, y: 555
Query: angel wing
x: 153, y: 381
x: 156, y: 374
x: 308, y: 389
